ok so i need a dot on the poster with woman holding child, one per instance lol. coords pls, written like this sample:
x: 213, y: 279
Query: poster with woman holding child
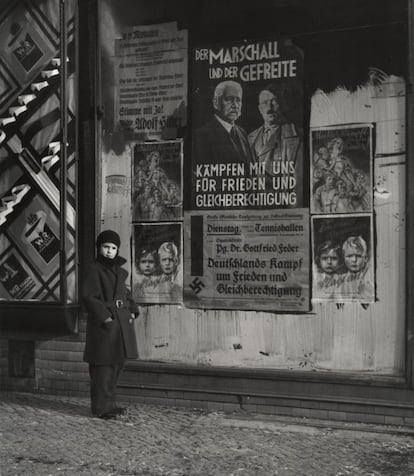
x: 157, y: 263
x: 343, y: 258
x: 341, y: 169
x: 157, y: 181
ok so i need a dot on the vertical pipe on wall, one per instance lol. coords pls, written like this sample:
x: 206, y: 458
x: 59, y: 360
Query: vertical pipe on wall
x: 98, y: 115
x: 63, y: 150
x: 87, y: 181
x: 410, y: 197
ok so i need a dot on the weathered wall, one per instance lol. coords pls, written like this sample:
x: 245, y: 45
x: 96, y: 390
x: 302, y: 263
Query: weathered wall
x: 346, y: 337
x: 343, y: 338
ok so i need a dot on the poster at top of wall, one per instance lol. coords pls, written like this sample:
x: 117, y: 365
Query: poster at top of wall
x: 151, y: 81
x: 247, y: 231
x: 247, y: 121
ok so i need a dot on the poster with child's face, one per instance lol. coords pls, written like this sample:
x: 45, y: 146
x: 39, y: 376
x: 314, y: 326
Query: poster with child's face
x: 343, y: 258
x: 157, y: 263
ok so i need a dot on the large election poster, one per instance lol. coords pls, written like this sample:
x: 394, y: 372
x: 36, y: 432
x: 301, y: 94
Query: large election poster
x: 247, y: 121
x: 246, y: 196
x: 247, y: 260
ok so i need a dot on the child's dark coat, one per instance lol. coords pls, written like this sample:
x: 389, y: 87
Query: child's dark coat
x: 104, y: 294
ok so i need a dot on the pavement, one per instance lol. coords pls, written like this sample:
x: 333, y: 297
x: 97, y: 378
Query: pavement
x: 53, y: 435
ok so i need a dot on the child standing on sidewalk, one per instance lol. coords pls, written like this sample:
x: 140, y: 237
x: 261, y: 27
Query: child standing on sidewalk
x: 110, y: 334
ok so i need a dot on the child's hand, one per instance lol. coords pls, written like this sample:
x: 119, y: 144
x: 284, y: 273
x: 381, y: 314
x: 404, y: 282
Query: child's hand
x: 133, y: 317
x: 108, y: 319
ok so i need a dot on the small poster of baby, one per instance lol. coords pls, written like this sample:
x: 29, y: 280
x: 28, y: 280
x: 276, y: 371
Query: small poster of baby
x: 157, y: 276
x: 341, y: 169
x: 343, y: 259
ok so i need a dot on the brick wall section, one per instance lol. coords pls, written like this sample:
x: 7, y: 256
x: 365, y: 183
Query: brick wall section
x: 365, y: 414
x: 59, y: 368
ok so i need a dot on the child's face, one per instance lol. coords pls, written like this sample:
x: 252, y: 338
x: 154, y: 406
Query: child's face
x: 329, y: 261
x: 338, y: 145
x: 156, y: 176
x: 354, y: 259
x: 329, y: 180
x: 108, y: 250
x: 154, y: 160
x: 147, y: 265
x: 157, y: 197
x: 324, y: 153
x: 167, y: 263
x: 341, y: 186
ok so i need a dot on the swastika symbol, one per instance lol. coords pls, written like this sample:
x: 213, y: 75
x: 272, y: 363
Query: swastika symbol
x: 197, y: 285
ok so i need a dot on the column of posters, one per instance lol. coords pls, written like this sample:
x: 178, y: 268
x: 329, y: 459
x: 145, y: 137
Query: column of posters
x: 150, y: 107
x: 151, y: 74
x: 342, y: 207
x: 246, y: 230
x: 157, y: 212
